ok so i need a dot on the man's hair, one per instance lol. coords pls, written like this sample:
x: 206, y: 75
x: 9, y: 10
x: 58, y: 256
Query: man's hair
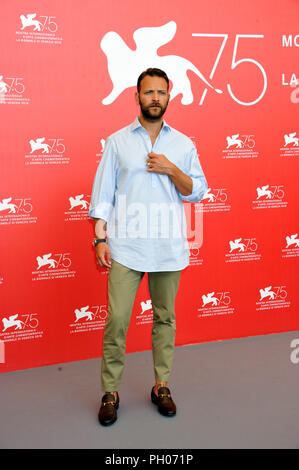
x: 152, y: 72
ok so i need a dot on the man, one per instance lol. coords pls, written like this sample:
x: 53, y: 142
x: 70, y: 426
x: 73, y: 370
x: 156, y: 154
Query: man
x: 147, y: 170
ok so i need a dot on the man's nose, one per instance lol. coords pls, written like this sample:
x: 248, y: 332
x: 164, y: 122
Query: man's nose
x: 155, y: 96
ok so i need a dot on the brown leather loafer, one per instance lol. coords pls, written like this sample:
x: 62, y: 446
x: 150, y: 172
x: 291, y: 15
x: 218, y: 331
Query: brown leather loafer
x: 166, y: 405
x: 107, y: 414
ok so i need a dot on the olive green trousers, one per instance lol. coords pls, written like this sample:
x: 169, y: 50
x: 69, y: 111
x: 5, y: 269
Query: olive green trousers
x: 123, y: 284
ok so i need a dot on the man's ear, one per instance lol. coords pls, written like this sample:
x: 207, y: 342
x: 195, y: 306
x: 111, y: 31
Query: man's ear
x: 137, y: 97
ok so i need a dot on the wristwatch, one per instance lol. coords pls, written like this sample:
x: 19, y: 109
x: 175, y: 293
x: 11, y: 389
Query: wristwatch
x: 96, y: 241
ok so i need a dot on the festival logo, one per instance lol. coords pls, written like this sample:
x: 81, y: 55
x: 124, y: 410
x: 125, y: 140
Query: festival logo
x: 290, y: 145
x: 16, y: 211
x: 47, y: 152
x: 89, y: 318
x: 145, y: 312
x: 240, y: 146
x: 272, y: 298
x: 216, y: 200
x: 23, y: 327
x: 53, y: 266
x: 242, y: 250
x: 291, y: 246
x: 40, y: 29
x: 13, y: 90
x: 149, y: 39
x: 77, y: 208
x: 216, y: 303
x: 270, y: 197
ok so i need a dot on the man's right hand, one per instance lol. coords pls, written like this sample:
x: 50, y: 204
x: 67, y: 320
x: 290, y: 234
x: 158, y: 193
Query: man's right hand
x: 103, y: 254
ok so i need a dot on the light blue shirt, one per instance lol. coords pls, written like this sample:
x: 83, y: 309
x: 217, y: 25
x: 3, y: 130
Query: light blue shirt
x: 144, y: 211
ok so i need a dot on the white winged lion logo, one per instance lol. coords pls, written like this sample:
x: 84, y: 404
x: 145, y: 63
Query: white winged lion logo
x: 125, y: 64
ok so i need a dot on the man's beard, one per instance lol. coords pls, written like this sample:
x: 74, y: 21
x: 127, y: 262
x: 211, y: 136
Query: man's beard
x: 146, y: 111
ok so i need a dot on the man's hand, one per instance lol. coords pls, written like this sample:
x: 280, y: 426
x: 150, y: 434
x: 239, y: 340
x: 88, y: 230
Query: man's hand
x: 103, y: 254
x: 159, y: 164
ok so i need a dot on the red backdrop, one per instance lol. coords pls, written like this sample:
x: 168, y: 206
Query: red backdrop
x: 54, y: 77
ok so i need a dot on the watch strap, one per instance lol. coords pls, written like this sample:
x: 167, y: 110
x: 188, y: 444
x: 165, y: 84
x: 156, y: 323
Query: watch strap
x: 99, y: 240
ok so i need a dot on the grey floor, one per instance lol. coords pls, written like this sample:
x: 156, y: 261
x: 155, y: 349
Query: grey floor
x: 241, y: 393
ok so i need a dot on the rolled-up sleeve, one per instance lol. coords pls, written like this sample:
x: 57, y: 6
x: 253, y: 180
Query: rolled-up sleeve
x: 103, y: 190
x: 193, y: 169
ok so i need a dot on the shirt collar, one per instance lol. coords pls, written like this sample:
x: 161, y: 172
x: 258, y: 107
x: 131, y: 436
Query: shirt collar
x: 136, y: 124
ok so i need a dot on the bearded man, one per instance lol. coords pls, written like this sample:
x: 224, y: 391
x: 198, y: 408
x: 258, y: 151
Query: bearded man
x: 148, y: 168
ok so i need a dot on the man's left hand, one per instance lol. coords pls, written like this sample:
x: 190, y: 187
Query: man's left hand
x: 158, y: 163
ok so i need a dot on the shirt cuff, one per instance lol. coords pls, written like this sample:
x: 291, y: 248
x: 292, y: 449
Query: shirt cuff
x: 199, y: 188
x: 101, y: 211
